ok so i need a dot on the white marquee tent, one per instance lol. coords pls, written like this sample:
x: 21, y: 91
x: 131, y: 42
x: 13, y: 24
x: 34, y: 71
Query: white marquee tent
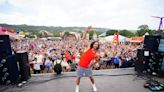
x: 110, y: 38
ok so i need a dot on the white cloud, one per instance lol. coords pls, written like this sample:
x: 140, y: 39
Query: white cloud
x: 119, y: 14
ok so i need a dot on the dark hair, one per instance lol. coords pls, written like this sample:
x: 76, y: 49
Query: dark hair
x: 69, y: 52
x: 35, y: 58
x: 91, y: 46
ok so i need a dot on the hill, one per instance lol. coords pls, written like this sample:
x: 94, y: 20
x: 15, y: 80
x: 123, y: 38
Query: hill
x: 31, y: 28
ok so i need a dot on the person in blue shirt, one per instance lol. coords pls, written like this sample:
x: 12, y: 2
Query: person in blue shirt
x: 116, y: 61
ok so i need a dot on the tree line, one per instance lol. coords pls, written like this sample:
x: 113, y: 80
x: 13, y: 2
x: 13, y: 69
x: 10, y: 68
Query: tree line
x: 142, y: 29
x: 55, y: 31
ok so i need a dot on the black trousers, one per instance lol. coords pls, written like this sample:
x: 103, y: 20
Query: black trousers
x: 116, y: 65
x: 36, y: 71
x: 69, y: 62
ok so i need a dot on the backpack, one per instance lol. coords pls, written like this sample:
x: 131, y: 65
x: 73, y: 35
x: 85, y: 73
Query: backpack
x: 58, y: 68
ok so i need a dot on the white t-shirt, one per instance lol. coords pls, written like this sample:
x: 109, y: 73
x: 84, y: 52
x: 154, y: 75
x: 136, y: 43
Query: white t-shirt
x: 36, y: 65
x: 40, y: 59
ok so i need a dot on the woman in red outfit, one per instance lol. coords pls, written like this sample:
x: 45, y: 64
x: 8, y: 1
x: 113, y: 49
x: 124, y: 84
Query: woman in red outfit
x: 85, y: 64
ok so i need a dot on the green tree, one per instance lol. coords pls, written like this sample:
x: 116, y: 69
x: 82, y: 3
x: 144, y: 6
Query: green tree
x: 151, y: 32
x: 29, y: 36
x: 66, y: 33
x: 92, y: 32
x: 56, y: 34
x: 98, y: 32
x: 159, y: 31
x: 111, y: 32
x: 142, y: 29
x: 127, y: 33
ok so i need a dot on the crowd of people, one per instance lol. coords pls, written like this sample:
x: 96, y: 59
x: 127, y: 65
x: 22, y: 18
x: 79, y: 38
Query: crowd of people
x: 43, y: 54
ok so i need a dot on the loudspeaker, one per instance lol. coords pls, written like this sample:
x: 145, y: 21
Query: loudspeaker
x: 152, y: 42
x: 140, y: 62
x: 24, y: 66
x: 154, y: 61
x: 5, y: 47
x: 161, y: 70
x: 8, y: 70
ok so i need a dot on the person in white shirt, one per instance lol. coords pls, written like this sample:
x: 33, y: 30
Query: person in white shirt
x: 40, y: 59
x: 36, y: 66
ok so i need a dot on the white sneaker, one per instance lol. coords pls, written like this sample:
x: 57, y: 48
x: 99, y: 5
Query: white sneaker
x: 94, y: 88
x: 77, y: 89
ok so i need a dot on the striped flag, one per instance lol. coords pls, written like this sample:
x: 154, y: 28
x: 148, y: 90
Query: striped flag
x: 116, y: 38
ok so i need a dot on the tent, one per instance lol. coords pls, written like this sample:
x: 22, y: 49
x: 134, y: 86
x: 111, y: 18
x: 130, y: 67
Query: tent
x: 103, y: 34
x: 136, y: 39
x: 110, y: 38
x: 145, y: 34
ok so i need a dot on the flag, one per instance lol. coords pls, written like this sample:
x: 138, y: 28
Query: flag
x: 116, y: 38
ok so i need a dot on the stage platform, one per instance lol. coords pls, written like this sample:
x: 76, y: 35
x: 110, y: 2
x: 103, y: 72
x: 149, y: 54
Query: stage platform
x: 112, y: 80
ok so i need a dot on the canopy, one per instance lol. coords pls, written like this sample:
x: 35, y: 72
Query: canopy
x: 103, y: 34
x: 145, y: 34
x: 110, y: 38
x: 136, y: 39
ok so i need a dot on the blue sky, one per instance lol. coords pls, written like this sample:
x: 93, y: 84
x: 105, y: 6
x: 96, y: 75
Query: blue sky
x: 115, y: 14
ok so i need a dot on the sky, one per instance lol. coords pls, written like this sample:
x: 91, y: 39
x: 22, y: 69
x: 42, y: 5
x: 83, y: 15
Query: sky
x: 113, y: 14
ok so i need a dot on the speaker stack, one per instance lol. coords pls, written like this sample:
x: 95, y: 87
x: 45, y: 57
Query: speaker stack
x: 161, y: 71
x: 149, y: 58
x: 155, y: 61
x: 13, y: 68
x: 161, y: 50
x: 139, y: 64
x: 151, y: 42
x: 8, y: 63
x: 24, y: 66
x: 8, y: 70
x: 5, y: 47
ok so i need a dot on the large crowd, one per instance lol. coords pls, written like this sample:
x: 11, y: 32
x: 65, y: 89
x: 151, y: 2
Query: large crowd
x: 43, y: 54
